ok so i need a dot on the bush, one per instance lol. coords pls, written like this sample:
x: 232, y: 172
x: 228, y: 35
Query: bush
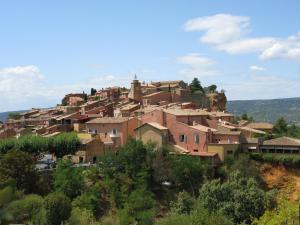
x: 57, y: 208
x: 67, y: 179
x: 25, y: 209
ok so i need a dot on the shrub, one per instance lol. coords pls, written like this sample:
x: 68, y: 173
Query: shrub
x: 57, y: 208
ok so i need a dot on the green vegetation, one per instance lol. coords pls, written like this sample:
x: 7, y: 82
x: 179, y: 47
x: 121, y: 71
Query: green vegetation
x: 195, y: 85
x: 138, y: 184
x: 267, y: 110
x: 60, y: 145
x: 286, y: 160
x: 14, y: 115
x: 93, y: 91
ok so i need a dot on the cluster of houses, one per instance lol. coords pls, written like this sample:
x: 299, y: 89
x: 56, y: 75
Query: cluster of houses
x: 164, y: 113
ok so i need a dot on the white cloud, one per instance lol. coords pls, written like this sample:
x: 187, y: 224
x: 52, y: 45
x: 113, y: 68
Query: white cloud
x: 262, y: 87
x: 229, y: 33
x: 283, y: 48
x: 219, y: 28
x: 23, y: 87
x: 198, y: 65
x: 256, y: 68
x: 248, y: 45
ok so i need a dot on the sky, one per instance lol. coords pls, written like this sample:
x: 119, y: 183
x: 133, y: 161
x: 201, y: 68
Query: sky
x: 251, y: 49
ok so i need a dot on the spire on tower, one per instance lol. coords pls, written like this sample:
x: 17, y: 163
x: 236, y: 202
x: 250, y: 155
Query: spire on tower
x: 135, y: 76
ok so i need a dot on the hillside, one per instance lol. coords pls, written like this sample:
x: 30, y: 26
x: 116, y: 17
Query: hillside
x: 267, y: 110
x: 4, y: 115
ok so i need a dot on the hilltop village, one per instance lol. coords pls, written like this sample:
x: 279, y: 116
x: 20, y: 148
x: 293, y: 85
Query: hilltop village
x: 191, y: 121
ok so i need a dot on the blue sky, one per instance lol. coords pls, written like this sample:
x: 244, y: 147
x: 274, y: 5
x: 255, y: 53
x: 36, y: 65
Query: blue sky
x: 49, y: 48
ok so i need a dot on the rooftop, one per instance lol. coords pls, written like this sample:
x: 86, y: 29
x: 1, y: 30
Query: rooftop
x: 260, y: 125
x: 104, y: 120
x: 203, y: 128
x: 283, y: 141
x: 186, y: 112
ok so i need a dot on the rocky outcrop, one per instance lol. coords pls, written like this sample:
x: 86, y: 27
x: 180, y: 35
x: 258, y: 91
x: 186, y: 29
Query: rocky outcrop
x: 217, y: 101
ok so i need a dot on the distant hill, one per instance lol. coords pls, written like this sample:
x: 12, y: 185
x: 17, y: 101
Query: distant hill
x: 4, y: 115
x: 267, y: 110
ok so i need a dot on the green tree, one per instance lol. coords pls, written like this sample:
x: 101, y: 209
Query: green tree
x: 14, y: 115
x: 183, y: 204
x: 67, y: 179
x: 280, y: 126
x: 186, y: 172
x: 212, y: 88
x: 93, y: 91
x: 138, y: 209
x: 57, y: 208
x: 285, y: 213
x: 25, y: 210
x: 19, y: 167
x: 91, y: 200
x: 198, y: 216
x: 81, y: 216
x: 240, y: 198
x: 195, y: 85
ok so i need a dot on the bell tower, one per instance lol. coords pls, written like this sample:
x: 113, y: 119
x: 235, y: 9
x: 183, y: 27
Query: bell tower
x: 135, y: 90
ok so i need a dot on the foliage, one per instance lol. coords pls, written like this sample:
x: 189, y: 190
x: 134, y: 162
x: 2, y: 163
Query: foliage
x: 82, y: 217
x: 67, y: 179
x: 245, y: 116
x: 195, y: 85
x: 93, y: 91
x: 138, y: 209
x: 91, y: 200
x: 200, y: 216
x: 57, y: 208
x: 26, y: 209
x: 267, y: 110
x: 60, y: 145
x: 280, y: 126
x: 14, y: 115
x: 8, y: 193
x: 19, y: 166
x: 285, y: 213
x: 187, y: 172
x: 240, y: 198
x: 183, y: 204
x: 286, y: 160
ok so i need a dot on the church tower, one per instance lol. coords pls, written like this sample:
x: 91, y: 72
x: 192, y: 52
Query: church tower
x: 135, y: 90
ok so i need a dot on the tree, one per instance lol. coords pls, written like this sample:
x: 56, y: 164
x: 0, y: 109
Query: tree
x: 212, y: 88
x: 82, y: 217
x: 199, y: 215
x: 245, y: 116
x: 67, y: 179
x: 280, y: 126
x: 26, y: 209
x: 93, y: 91
x: 19, y: 167
x: 57, y: 208
x: 195, y: 85
x: 285, y: 213
x: 184, y: 203
x: 139, y: 208
x: 186, y: 172
x: 14, y: 115
x: 238, y: 197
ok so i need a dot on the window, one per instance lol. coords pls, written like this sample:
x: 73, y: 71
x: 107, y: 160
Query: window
x: 105, y: 134
x: 197, y: 138
x: 114, y: 131
x: 182, y: 138
x: 195, y: 150
x: 229, y: 152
